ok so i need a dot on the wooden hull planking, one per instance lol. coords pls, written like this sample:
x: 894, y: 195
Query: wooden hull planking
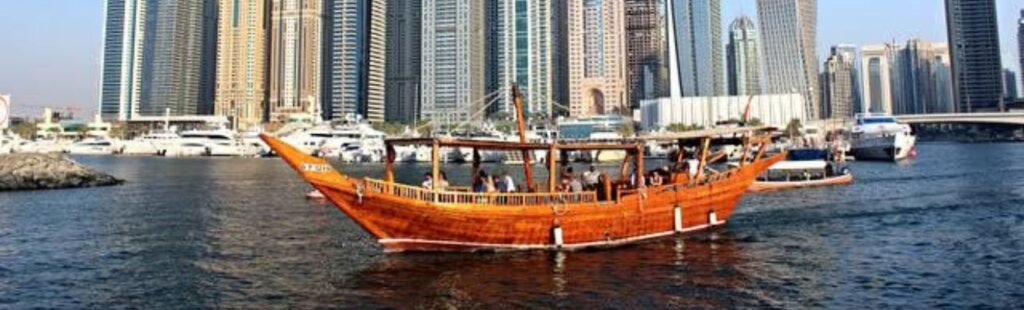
x: 402, y: 224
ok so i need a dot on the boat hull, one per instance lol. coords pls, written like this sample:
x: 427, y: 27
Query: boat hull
x: 760, y: 186
x: 400, y: 224
x: 888, y: 148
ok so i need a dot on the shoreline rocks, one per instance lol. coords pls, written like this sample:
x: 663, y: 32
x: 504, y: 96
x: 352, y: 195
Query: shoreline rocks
x: 48, y: 171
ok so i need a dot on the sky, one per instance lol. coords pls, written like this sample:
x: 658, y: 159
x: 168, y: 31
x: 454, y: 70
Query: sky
x: 50, y: 54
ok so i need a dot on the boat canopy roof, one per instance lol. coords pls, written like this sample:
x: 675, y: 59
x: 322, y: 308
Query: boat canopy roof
x: 505, y: 145
x: 707, y: 133
x: 799, y: 165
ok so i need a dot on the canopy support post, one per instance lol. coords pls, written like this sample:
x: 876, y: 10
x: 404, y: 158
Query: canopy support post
x: 435, y: 159
x: 389, y: 168
x: 476, y: 166
x: 552, y: 169
x: 705, y: 146
x: 521, y: 126
x: 640, y: 181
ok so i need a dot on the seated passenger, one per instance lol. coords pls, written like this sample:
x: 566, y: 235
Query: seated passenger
x: 428, y: 181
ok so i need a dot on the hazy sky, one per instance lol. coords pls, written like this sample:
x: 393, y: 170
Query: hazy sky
x: 50, y: 48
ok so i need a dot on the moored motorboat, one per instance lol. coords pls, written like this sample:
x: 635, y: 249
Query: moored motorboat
x: 803, y: 168
x: 413, y: 218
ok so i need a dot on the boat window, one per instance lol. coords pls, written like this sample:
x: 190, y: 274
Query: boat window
x: 881, y: 120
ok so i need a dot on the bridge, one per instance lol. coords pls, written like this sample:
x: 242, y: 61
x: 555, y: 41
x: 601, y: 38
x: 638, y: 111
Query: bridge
x: 994, y: 118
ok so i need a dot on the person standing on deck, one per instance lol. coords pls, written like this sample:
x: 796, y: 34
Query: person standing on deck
x: 591, y: 178
x: 507, y: 184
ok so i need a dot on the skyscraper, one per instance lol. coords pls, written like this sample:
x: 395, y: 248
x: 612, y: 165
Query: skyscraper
x: 974, y: 43
x: 454, y: 59
x: 876, y: 82
x: 241, y: 69
x: 121, y: 80
x: 355, y: 54
x: 916, y: 84
x: 743, y: 53
x: 296, y: 37
x: 526, y: 52
x: 645, y: 45
x: 1009, y: 84
x: 159, y: 55
x: 1020, y: 45
x: 837, y: 86
x: 179, y: 57
x: 403, y: 63
x: 789, y: 34
x: 597, y: 60
x: 698, y: 38
x: 850, y: 52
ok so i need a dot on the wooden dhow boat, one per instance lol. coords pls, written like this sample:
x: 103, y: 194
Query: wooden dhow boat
x: 413, y: 218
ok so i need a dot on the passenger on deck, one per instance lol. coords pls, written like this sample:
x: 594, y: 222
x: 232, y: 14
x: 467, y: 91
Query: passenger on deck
x: 575, y: 185
x: 591, y: 178
x: 656, y: 179
x: 443, y: 184
x: 428, y: 181
x: 480, y: 186
x: 507, y: 184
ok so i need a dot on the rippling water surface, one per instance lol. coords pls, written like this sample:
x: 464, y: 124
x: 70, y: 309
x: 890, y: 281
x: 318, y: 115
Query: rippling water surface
x: 944, y: 230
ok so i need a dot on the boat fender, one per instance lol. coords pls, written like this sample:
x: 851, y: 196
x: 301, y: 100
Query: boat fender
x: 678, y: 218
x: 712, y: 218
x: 556, y: 235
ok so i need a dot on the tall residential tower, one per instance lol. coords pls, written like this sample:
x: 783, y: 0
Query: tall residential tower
x: 597, y: 57
x: 526, y: 45
x: 296, y: 45
x: 354, y: 59
x: 743, y: 58
x: 645, y: 46
x: 698, y: 38
x: 121, y: 78
x: 402, y: 103
x: 454, y: 59
x: 789, y: 34
x: 974, y: 45
x: 242, y: 58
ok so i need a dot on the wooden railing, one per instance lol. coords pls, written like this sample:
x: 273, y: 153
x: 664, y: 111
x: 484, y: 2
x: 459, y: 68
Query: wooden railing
x: 499, y: 199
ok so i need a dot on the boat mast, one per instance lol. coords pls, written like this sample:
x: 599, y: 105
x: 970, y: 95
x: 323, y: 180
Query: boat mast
x: 521, y: 125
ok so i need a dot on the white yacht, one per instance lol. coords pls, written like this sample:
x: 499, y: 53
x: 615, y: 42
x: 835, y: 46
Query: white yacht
x: 877, y: 136
x: 354, y: 142
x: 97, y: 140
x: 93, y: 146
x: 218, y: 141
x: 153, y: 143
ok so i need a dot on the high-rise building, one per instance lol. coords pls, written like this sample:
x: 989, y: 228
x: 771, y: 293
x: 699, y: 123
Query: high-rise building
x: 743, y: 53
x: 121, y: 80
x: 241, y: 66
x: 788, y: 39
x: 597, y: 57
x: 354, y: 59
x: 1009, y: 85
x: 645, y: 50
x: 1020, y: 45
x: 179, y: 57
x: 560, y: 37
x: 837, y: 86
x: 906, y: 79
x: 526, y: 48
x: 403, y: 60
x: 698, y: 38
x: 850, y: 52
x: 454, y: 59
x: 159, y: 56
x: 876, y: 82
x: 917, y: 78
x: 974, y: 45
x: 296, y: 66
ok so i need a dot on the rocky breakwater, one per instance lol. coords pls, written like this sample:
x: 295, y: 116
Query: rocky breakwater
x: 48, y: 171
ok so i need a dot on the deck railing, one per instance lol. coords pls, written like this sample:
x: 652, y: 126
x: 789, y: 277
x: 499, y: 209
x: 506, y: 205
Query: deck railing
x: 499, y: 199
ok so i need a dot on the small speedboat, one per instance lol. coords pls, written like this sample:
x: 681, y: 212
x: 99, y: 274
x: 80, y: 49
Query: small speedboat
x: 801, y: 169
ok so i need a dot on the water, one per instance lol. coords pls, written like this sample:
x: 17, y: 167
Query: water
x: 945, y: 230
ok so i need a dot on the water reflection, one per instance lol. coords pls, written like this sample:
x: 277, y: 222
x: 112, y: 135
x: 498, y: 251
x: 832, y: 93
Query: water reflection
x: 698, y: 270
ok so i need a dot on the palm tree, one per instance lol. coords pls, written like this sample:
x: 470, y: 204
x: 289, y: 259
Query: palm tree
x: 794, y: 128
